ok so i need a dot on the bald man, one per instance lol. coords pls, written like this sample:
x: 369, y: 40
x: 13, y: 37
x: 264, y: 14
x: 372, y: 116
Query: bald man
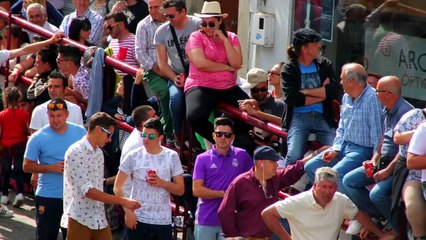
x: 377, y: 202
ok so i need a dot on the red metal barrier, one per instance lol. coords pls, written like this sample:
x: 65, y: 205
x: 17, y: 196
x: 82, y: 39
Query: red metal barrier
x: 270, y: 127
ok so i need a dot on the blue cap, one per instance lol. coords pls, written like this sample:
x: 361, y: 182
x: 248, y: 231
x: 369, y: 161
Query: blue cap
x: 265, y: 153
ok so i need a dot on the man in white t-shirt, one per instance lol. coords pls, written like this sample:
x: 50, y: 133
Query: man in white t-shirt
x: 151, y: 167
x: 416, y: 157
x: 317, y: 213
x: 56, y: 85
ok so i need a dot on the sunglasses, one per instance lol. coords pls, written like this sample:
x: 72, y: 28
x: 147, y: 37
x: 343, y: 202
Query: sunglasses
x: 110, y: 27
x: 109, y: 134
x: 55, y: 106
x: 210, y: 24
x: 169, y: 16
x: 257, y: 90
x: 221, y: 134
x: 273, y: 73
x: 150, y: 136
x: 86, y: 27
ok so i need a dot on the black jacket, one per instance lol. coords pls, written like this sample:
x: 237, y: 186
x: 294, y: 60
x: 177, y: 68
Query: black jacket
x: 291, y: 82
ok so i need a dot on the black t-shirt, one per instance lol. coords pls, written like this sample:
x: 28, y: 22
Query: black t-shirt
x: 139, y: 12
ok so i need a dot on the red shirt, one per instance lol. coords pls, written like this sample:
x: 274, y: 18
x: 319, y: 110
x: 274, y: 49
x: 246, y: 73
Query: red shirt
x: 13, y: 124
x: 244, y: 201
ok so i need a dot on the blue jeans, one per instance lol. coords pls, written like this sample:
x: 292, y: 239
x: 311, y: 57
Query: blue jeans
x: 208, y: 232
x: 302, y: 124
x: 146, y: 231
x: 351, y: 156
x: 177, y: 106
x: 355, y: 183
x: 380, y: 195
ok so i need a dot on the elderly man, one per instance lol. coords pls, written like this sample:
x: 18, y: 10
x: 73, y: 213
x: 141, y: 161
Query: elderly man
x: 82, y: 10
x: 360, y: 126
x: 377, y: 202
x: 317, y: 213
x: 36, y: 14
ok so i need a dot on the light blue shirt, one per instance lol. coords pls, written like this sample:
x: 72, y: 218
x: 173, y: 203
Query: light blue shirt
x: 48, y: 147
x: 310, y: 79
x: 361, y: 120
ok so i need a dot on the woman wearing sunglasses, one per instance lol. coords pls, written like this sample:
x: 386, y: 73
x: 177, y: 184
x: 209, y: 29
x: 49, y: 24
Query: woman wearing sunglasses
x: 215, y: 56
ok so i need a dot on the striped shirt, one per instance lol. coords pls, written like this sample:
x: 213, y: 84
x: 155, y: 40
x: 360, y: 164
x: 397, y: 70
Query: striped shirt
x: 146, y: 53
x: 95, y: 20
x: 361, y: 120
x: 127, y: 54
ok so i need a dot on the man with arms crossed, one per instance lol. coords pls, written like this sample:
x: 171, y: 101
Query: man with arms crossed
x: 44, y: 155
x: 84, y: 199
x: 151, y: 167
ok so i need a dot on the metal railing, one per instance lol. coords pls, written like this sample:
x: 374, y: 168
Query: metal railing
x: 269, y: 127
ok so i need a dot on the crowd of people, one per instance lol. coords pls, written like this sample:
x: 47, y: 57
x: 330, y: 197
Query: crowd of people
x: 81, y: 161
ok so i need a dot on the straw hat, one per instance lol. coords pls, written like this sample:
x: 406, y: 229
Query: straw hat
x: 211, y: 9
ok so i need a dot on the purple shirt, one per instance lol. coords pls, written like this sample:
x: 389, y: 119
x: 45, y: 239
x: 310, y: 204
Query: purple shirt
x: 217, y: 171
x: 245, y: 200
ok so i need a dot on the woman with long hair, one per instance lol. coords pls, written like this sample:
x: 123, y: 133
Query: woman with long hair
x: 214, y: 58
x: 79, y: 31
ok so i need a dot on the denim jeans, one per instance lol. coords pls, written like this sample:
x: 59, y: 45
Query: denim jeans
x: 208, y: 232
x: 351, y: 156
x: 177, y: 106
x: 355, y: 183
x: 302, y: 124
x: 380, y: 195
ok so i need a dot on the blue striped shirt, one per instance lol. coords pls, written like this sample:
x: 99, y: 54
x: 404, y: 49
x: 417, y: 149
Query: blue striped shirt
x: 361, y: 120
x: 146, y: 53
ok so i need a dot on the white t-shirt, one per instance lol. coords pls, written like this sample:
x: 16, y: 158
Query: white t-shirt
x: 133, y: 141
x: 155, y: 200
x: 309, y: 221
x: 40, y: 119
x: 418, y: 145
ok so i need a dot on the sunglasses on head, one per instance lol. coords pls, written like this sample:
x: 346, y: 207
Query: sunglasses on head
x: 210, y: 24
x: 55, y: 106
x: 109, y: 134
x: 86, y: 27
x: 225, y: 134
x: 257, y: 90
x: 150, y: 136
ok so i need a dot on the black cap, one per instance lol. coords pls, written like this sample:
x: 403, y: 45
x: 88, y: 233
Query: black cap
x: 265, y: 153
x: 306, y: 35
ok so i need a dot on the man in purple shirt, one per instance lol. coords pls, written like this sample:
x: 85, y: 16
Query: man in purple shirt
x: 214, y: 170
x: 253, y: 191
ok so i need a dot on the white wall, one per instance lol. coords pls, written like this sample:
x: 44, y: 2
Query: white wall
x: 259, y: 56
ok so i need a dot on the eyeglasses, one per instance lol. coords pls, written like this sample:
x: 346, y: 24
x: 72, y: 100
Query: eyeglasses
x: 379, y: 91
x: 273, y: 73
x: 257, y: 90
x: 33, y: 17
x: 210, y: 24
x: 110, y: 27
x: 150, y: 136
x: 58, y: 60
x: 221, y: 134
x: 55, y: 106
x: 109, y: 134
x: 86, y: 27
x: 169, y: 16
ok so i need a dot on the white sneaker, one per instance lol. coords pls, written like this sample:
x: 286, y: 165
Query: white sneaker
x: 5, y: 212
x: 4, y: 199
x: 19, y: 200
x: 353, y: 228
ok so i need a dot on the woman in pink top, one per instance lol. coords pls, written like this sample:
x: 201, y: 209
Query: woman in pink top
x: 214, y: 58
